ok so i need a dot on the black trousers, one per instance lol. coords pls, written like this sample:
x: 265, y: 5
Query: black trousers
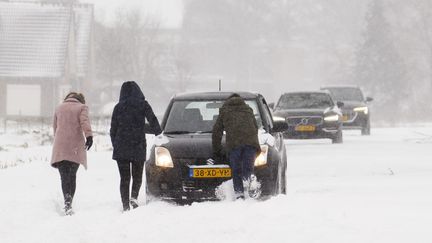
x: 68, y: 171
x: 125, y: 178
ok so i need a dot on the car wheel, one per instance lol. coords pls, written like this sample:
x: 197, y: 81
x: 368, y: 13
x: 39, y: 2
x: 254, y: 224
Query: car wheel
x: 283, y: 172
x: 338, y: 137
x: 148, y: 196
x: 279, y: 180
x: 269, y: 186
x: 366, y: 129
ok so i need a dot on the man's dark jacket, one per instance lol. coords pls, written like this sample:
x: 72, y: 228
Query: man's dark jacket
x: 127, y: 124
x: 239, y: 123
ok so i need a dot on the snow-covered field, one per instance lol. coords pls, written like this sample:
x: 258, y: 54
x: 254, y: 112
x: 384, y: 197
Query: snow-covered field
x: 369, y: 189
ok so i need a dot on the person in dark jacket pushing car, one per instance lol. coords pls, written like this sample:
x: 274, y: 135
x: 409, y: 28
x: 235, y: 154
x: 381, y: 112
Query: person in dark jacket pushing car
x: 128, y: 139
x: 237, y: 119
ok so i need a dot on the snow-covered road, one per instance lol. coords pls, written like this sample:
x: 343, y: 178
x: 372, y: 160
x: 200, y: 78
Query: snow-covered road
x: 369, y: 189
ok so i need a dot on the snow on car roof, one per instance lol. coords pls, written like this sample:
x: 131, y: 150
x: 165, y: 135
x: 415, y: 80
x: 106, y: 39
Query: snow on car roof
x: 214, y: 95
x: 340, y: 86
x: 308, y: 92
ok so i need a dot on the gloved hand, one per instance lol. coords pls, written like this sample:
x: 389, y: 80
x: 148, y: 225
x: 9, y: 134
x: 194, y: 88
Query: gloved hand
x: 217, y: 158
x: 89, y: 142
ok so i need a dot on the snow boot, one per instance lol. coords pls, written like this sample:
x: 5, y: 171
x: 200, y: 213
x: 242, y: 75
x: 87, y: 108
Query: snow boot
x: 239, y: 196
x: 253, y: 187
x: 68, y: 210
x: 134, y: 203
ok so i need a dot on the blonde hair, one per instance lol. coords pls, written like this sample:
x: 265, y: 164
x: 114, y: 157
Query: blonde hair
x: 79, y: 96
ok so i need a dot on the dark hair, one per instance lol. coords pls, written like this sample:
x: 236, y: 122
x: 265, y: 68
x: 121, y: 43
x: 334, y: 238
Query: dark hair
x: 233, y: 95
x: 79, y: 96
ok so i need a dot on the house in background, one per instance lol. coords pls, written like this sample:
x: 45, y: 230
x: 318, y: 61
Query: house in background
x: 45, y: 52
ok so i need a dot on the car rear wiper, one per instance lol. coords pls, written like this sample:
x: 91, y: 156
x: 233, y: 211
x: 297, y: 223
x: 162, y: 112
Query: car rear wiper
x: 204, y: 132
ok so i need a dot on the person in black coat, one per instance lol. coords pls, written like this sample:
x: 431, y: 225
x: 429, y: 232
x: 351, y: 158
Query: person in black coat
x: 128, y: 139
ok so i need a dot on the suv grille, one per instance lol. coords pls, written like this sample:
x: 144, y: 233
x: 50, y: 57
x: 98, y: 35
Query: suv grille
x: 311, y: 120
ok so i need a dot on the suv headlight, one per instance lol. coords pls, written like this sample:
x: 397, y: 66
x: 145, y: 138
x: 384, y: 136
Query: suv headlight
x: 331, y: 118
x: 363, y: 109
x: 262, y: 157
x: 163, y: 157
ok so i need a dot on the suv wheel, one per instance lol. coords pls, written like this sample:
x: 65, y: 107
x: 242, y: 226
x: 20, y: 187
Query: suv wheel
x: 284, y: 166
x: 338, y: 137
x: 366, y: 129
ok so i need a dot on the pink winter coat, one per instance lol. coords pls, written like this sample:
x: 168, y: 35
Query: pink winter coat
x: 71, y: 127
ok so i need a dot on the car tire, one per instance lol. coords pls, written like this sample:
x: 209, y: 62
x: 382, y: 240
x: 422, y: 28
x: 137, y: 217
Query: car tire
x: 269, y: 185
x: 283, y: 167
x: 280, y: 180
x: 366, y: 129
x: 148, y: 196
x: 338, y: 138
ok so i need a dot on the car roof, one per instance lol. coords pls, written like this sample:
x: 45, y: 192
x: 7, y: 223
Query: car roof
x: 308, y: 92
x: 221, y: 95
x: 340, y: 86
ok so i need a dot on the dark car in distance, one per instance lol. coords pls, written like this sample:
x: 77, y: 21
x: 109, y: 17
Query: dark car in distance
x: 310, y: 115
x: 356, y: 110
x: 177, y: 168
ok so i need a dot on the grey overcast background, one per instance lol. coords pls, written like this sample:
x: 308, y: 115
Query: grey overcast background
x: 267, y: 46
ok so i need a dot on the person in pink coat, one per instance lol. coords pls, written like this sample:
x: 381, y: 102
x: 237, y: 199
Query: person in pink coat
x: 72, y: 136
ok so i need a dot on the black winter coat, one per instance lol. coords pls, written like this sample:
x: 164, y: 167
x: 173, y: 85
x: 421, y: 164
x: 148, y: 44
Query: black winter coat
x: 127, y: 124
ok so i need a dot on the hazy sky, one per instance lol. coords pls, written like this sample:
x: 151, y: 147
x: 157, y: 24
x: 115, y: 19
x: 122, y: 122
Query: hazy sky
x: 169, y: 11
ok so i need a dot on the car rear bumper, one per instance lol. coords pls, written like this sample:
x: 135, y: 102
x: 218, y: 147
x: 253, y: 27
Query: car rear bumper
x: 176, y: 185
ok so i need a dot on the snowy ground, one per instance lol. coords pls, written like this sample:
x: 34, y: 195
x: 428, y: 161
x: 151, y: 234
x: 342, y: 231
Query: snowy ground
x: 369, y: 189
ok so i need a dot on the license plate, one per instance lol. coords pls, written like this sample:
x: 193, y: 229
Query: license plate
x: 210, y: 172
x: 345, y: 118
x: 305, y: 128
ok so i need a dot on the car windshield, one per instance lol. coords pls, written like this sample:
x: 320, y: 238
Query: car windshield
x: 305, y: 101
x: 199, y: 116
x: 346, y: 94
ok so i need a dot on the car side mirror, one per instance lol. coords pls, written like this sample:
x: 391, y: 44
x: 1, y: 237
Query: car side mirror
x: 279, y: 125
x: 340, y: 104
x: 271, y: 106
x: 369, y: 99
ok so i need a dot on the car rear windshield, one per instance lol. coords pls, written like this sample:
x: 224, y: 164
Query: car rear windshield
x: 305, y: 101
x: 199, y: 116
x: 346, y: 94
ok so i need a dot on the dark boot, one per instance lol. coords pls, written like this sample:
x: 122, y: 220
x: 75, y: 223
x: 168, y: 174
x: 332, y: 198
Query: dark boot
x: 134, y: 203
x: 68, y: 205
x: 126, y: 206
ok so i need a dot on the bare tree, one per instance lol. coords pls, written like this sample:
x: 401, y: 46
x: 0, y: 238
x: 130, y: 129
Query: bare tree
x: 131, y: 49
x: 380, y: 66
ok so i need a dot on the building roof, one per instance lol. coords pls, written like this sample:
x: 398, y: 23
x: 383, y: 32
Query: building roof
x: 34, y: 38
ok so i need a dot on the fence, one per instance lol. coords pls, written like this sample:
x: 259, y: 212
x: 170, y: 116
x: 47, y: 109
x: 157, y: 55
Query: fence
x: 43, y: 125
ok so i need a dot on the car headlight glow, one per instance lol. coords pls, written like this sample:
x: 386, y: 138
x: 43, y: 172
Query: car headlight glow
x: 262, y: 157
x: 363, y: 109
x: 163, y: 157
x: 331, y: 118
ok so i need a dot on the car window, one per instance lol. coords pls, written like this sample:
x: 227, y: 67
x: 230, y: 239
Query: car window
x: 305, y: 101
x: 346, y: 94
x: 267, y: 113
x: 199, y: 116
